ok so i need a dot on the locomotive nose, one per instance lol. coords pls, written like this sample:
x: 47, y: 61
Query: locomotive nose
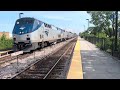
x: 21, y: 45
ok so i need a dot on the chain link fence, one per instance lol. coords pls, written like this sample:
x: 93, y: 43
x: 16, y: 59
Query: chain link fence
x: 105, y: 44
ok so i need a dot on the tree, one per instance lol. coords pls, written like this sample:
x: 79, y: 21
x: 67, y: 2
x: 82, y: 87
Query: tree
x: 102, y: 20
x: 3, y: 37
x: 5, y: 43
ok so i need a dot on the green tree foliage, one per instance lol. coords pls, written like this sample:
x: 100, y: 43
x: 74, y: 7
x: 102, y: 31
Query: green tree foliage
x: 104, y: 27
x: 102, y: 20
x: 5, y: 43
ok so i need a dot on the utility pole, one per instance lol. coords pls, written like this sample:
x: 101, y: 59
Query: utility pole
x: 116, y: 29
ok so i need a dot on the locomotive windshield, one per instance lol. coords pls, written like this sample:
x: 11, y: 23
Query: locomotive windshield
x: 24, y: 21
x: 23, y: 26
x: 26, y: 25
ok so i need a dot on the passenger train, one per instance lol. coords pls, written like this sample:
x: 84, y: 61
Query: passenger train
x: 30, y: 34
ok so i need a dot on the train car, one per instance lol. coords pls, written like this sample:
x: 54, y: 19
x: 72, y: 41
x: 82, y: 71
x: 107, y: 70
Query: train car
x: 30, y: 34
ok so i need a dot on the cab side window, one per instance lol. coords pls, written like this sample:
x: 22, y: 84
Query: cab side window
x: 35, y: 26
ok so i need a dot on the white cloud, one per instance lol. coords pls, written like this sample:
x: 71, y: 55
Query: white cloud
x: 58, y: 18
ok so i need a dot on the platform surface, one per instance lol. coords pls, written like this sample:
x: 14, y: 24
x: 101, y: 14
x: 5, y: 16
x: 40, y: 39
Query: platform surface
x: 75, y: 71
x: 97, y: 64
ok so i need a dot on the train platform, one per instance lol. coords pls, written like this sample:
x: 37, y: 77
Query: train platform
x: 98, y: 64
x: 89, y: 62
x: 75, y: 71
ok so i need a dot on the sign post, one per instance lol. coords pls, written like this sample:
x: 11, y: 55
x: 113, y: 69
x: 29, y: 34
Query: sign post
x: 17, y: 64
x: 16, y: 54
x: 34, y: 53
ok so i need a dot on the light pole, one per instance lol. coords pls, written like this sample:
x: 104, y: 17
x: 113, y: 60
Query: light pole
x: 20, y: 14
x: 88, y: 22
x: 84, y: 31
x: 84, y: 28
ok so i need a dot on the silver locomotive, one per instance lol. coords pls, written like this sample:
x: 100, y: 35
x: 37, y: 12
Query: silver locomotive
x: 30, y: 34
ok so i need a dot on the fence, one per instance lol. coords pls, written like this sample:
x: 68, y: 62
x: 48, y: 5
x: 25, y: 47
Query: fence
x: 105, y: 44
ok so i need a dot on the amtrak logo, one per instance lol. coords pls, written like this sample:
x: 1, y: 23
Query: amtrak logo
x: 46, y: 32
x: 22, y: 28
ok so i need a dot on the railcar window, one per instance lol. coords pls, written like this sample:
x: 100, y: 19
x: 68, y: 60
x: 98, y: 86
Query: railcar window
x: 44, y: 24
x: 50, y: 26
x: 47, y: 25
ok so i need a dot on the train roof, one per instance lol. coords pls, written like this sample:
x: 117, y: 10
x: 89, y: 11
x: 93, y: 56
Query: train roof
x: 43, y: 22
x: 26, y: 18
x: 38, y: 20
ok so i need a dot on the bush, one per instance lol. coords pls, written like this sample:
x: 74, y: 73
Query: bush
x: 105, y: 44
x: 5, y: 43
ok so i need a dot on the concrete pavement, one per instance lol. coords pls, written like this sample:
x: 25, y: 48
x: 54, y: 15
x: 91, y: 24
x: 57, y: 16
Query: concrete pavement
x: 96, y: 64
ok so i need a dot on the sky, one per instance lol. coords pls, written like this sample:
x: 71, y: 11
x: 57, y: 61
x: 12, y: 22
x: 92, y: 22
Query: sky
x: 73, y: 21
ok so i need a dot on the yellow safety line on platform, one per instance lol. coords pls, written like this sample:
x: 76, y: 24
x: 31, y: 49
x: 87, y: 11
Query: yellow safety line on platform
x: 75, y: 71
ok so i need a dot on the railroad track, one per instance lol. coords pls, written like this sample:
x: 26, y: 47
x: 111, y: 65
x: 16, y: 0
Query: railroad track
x: 9, y: 58
x: 51, y: 67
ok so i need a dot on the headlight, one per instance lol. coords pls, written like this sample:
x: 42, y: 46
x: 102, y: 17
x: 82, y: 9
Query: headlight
x: 14, y: 39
